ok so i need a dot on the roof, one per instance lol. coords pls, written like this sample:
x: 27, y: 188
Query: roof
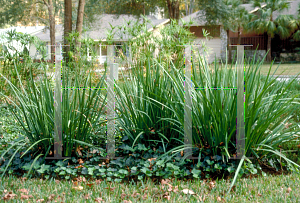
x: 293, y: 10
x: 44, y: 34
x: 195, y: 17
x: 98, y: 30
x: 198, y: 21
x: 25, y: 30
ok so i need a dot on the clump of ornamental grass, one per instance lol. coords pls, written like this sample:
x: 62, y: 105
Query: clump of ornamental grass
x: 82, y: 112
x: 151, y: 109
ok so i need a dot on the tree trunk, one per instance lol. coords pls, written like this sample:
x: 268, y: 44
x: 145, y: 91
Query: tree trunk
x: 269, y: 49
x: 67, y: 27
x: 269, y: 57
x: 169, y: 5
x: 239, y: 35
x: 186, y: 8
x: 52, y: 28
x: 176, y: 10
x: 228, y: 47
x: 173, y: 8
x: 79, y: 25
x: 191, y: 6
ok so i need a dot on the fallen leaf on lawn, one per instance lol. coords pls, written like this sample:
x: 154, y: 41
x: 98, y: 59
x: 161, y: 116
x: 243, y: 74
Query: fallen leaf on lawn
x: 75, y: 183
x: 78, y: 188
x: 86, y: 196
x: 175, y: 189
x: 167, y: 196
x: 26, y: 196
x: 187, y: 191
x: 259, y: 194
x: 111, y: 189
x: 127, y: 201
x: 98, y: 181
x: 145, y: 197
x: 211, y: 184
x: 90, y: 184
x: 289, y: 190
x: 123, y: 195
x: 8, y: 196
x: 23, y: 190
x: 219, y: 199
x: 99, y: 199
x: 79, y: 179
x: 155, y: 189
x: 165, y: 182
x: 135, y: 194
x: 287, y: 125
x: 51, y: 197
x: 40, y: 200
x: 146, y: 188
x: 57, y: 181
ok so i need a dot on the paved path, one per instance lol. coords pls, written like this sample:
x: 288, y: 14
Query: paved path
x: 285, y: 77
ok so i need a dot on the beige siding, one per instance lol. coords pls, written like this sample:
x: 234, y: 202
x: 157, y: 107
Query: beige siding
x: 213, y: 48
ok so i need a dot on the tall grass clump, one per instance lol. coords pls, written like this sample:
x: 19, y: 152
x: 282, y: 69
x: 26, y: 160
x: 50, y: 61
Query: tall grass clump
x: 82, y: 112
x: 151, y: 108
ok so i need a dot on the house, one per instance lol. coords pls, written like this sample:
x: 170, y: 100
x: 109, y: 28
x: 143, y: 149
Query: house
x: 278, y: 45
x: 216, y: 45
x: 98, y: 32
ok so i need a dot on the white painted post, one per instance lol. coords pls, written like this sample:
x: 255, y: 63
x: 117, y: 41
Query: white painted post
x: 110, y: 104
x: 240, y: 103
x: 188, y: 103
x: 100, y: 53
x: 57, y: 104
x: 240, y: 119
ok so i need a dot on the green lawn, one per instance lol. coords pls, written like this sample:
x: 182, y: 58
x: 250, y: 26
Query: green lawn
x: 288, y: 69
x: 280, y: 188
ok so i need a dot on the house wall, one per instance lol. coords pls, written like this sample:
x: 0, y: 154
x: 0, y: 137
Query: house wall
x: 213, y: 48
x: 14, y: 46
x: 33, y: 52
